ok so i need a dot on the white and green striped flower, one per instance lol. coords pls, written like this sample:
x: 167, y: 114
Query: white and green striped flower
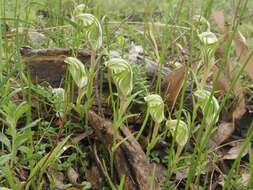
x: 155, y: 107
x: 77, y: 71
x: 208, y: 38
x: 90, y: 24
x: 179, y: 130
x: 122, y: 75
x: 213, y: 107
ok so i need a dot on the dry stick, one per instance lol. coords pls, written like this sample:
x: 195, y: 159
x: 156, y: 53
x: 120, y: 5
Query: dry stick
x: 100, y: 165
x: 131, y: 159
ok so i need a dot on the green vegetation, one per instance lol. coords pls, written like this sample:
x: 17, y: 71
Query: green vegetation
x: 145, y: 94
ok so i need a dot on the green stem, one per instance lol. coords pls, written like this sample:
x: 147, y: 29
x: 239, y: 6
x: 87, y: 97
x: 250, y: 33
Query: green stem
x: 154, y: 138
x: 143, y: 125
x: 155, y: 131
x: 122, y: 108
x: 178, y: 153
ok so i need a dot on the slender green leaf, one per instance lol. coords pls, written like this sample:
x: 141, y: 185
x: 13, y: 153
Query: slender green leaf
x: 48, y: 159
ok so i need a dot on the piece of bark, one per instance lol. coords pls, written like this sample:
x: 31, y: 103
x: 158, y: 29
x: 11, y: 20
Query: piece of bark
x: 130, y: 160
x: 47, y: 65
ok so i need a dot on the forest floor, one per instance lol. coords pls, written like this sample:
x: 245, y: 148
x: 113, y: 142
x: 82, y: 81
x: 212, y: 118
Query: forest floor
x: 128, y: 94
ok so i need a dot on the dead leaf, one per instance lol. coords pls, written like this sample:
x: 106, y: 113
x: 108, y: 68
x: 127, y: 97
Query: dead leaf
x: 245, y: 177
x: 60, y: 122
x: 93, y: 176
x: 182, y: 174
x: 240, y: 107
x: 243, y: 53
x: 72, y: 176
x: 21, y: 173
x: 172, y: 86
x: 222, y: 83
x: 57, y: 177
x: 234, y: 152
x: 218, y: 17
x: 160, y: 171
x: 241, y: 47
x: 223, y: 132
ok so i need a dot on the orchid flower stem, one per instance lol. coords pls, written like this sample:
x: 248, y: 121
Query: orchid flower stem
x: 178, y: 153
x: 112, y: 163
x: 122, y: 105
x: 155, y: 131
x: 177, y: 156
x: 143, y: 125
x: 154, y: 138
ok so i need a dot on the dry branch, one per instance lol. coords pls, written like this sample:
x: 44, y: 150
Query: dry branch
x: 130, y: 160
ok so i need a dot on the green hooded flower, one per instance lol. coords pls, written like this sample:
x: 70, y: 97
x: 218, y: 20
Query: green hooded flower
x: 122, y: 75
x: 155, y: 107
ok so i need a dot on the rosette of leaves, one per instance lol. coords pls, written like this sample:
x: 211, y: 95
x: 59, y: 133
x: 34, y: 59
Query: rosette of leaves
x: 90, y: 26
x: 14, y: 139
x: 58, y: 100
x: 179, y: 130
x: 155, y: 107
x: 122, y: 75
x: 55, y: 96
x: 209, y: 108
